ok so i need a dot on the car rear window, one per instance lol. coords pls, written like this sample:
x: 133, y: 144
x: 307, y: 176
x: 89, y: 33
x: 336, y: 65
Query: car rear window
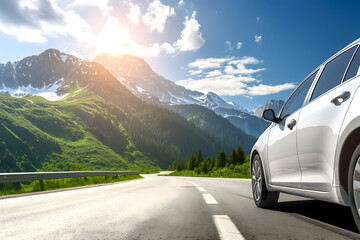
x: 354, y: 68
x: 333, y: 73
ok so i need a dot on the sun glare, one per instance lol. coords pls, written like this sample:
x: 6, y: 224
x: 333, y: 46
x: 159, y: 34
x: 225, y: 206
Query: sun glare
x: 113, y: 38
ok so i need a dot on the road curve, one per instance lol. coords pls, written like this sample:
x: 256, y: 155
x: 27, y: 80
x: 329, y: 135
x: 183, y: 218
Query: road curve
x: 161, y: 207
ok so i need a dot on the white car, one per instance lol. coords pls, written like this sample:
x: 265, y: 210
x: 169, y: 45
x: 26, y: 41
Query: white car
x: 312, y: 148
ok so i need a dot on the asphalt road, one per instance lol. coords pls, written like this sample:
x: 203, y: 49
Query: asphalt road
x: 159, y: 207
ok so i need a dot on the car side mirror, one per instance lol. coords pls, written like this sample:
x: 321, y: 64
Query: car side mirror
x: 269, y: 115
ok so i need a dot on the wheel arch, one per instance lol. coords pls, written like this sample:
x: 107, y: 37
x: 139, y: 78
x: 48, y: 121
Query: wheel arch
x: 266, y: 174
x: 348, y: 147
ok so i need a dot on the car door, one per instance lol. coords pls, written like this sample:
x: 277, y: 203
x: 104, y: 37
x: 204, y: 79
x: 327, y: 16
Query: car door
x: 282, y: 153
x: 320, y: 122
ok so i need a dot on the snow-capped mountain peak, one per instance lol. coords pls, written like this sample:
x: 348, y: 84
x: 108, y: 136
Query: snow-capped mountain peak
x: 23, y: 77
x: 136, y: 74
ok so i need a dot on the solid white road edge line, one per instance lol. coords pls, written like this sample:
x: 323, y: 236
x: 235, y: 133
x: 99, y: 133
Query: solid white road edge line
x: 226, y: 228
x: 209, y: 199
x: 201, y: 189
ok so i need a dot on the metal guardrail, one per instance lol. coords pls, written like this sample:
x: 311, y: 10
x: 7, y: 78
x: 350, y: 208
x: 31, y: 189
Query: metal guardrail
x: 31, y: 176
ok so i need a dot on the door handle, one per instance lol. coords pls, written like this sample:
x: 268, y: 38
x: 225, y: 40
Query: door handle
x: 341, y: 97
x: 292, y: 124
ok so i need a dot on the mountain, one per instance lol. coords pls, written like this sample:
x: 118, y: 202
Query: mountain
x: 276, y: 105
x: 149, y: 86
x: 58, y: 112
x: 141, y: 80
x: 252, y: 123
x: 208, y: 120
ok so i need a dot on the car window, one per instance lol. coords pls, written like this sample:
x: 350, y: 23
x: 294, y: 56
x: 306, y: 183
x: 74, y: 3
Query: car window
x: 333, y: 73
x: 298, y: 97
x: 354, y: 68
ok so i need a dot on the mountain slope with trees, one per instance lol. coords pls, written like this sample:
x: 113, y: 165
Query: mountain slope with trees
x: 97, y: 124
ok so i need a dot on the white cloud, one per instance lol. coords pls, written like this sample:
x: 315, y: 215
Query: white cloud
x: 257, y: 19
x: 220, y: 85
x: 228, y: 45
x: 181, y: 2
x: 195, y: 72
x: 229, y: 76
x: 37, y: 21
x: 242, y: 70
x: 156, y: 15
x: 103, y: 5
x: 134, y: 14
x: 258, y: 39
x: 114, y: 39
x: 245, y: 60
x: 31, y: 21
x: 262, y: 89
x: 204, y: 63
x: 191, y: 37
x: 214, y: 73
x: 238, y: 45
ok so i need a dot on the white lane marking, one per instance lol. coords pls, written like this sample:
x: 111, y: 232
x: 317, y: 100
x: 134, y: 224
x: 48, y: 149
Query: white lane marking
x: 209, y: 199
x: 201, y: 189
x: 226, y: 228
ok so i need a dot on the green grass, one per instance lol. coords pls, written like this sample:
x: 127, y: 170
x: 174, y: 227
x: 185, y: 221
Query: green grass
x: 50, y: 184
x: 80, y: 131
x: 238, y: 171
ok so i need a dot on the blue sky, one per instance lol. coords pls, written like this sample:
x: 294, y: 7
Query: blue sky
x: 246, y: 51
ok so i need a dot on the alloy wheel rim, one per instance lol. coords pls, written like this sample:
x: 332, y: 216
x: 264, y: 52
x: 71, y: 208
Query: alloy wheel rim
x: 356, y: 186
x: 257, y: 180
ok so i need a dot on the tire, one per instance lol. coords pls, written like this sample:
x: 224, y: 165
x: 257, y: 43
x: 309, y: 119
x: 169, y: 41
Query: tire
x: 262, y: 197
x: 354, y: 189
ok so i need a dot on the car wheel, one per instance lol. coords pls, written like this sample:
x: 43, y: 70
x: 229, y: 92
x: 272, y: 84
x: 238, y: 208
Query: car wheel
x: 354, y: 185
x: 262, y: 197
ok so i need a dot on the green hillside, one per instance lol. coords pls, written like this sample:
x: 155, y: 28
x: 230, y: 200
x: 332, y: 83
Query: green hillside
x: 99, y: 125
x: 87, y: 131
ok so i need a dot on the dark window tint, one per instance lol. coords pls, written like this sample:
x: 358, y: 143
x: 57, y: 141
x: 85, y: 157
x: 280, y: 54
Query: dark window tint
x: 333, y: 73
x: 354, y: 68
x: 298, y: 97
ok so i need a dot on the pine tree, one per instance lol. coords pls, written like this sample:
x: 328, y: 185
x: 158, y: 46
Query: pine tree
x: 179, y: 166
x: 241, y: 155
x: 174, y: 165
x: 232, y: 157
x: 212, y: 163
x: 220, y: 161
x: 208, y: 164
x: 191, y: 162
x: 199, y: 158
x: 203, y: 167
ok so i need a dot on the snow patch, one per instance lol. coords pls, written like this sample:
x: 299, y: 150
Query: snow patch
x: 64, y: 57
x: 47, y: 92
x: 140, y: 90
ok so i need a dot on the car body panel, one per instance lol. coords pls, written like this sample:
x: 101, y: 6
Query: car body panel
x: 317, y: 135
x: 282, y: 155
x: 326, y: 185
